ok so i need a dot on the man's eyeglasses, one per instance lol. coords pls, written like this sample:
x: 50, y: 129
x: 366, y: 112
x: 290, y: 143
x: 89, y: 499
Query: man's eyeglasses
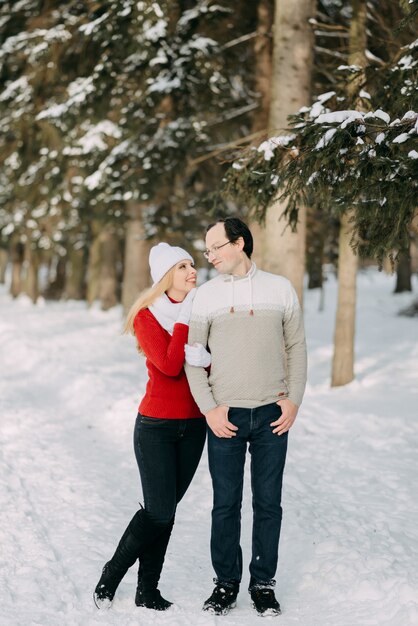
x: 214, y: 249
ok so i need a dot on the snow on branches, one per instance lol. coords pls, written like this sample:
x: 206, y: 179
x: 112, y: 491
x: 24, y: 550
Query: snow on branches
x: 119, y: 96
x: 337, y: 159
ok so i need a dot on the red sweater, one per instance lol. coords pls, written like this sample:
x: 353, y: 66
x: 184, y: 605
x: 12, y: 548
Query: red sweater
x: 167, y: 394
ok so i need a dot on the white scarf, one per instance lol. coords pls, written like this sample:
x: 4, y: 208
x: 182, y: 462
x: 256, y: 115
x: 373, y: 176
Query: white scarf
x: 165, y: 312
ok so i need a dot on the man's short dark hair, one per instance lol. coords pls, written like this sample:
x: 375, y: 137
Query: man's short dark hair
x: 234, y: 229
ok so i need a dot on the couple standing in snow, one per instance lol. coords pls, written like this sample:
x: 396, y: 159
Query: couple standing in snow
x: 246, y: 387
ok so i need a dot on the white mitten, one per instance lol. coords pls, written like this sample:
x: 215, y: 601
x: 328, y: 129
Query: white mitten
x: 197, y: 355
x: 186, y: 308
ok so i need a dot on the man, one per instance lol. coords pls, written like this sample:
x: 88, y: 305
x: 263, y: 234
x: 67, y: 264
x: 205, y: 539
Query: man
x: 252, y: 324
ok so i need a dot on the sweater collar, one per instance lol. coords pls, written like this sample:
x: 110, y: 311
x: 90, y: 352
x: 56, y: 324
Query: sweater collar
x: 235, y: 279
x: 249, y: 275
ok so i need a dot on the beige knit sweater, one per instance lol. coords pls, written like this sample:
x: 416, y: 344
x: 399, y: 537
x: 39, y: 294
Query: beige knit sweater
x: 253, y: 327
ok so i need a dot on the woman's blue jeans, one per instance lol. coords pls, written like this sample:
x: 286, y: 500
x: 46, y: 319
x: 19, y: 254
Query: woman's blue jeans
x: 226, y: 464
x: 168, y: 452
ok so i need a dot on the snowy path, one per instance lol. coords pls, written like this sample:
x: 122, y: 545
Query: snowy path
x: 69, y: 388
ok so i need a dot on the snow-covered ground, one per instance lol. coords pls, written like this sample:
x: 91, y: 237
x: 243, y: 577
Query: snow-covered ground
x: 69, y: 389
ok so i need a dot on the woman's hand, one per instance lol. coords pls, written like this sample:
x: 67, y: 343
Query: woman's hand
x: 186, y: 308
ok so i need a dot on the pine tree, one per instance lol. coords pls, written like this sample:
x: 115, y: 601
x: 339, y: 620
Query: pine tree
x: 339, y: 157
x: 106, y: 105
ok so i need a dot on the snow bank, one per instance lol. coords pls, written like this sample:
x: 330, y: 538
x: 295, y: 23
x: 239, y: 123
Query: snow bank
x: 70, y: 385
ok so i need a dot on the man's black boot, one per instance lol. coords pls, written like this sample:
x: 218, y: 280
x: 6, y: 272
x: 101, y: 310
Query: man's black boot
x: 265, y: 602
x: 223, y: 599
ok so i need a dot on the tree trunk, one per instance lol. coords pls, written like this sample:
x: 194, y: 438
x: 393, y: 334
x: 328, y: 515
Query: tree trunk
x: 93, y: 266
x: 258, y: 233
x: 263, y: 64
x: 74, y: 285
x: 136, y: 271
x: 16, y: 256
x: 4, y: 258
x: 315, y: 243
x: 31, y: 269
x: 291, y: 87
x: 263, y: 49
x: 109, y: 260
x: 403, y: 272
x: 387, y: 265
x: 413, y: 251
x: 57, y: 271
x: 343, y: 360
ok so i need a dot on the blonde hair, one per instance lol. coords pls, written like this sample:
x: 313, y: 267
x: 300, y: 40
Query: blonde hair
x: 145, y: 299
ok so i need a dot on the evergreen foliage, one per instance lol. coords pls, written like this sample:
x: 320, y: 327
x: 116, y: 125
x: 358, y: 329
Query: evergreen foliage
x: 109, y: 103
x: 342, y: 153
x: 102, y: 103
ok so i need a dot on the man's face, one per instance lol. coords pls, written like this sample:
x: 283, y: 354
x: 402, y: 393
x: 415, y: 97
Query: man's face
x: 226, y: 258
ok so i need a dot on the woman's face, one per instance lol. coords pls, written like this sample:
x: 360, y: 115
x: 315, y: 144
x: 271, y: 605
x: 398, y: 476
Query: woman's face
x: 184, y: 280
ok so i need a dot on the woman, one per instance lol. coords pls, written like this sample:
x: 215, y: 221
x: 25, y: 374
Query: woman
x: 170, y: 430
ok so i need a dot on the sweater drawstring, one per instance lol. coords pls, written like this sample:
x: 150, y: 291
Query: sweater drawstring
x: 250, y: 286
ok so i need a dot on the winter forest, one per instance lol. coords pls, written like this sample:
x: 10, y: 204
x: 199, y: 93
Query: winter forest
x: 129, y: 122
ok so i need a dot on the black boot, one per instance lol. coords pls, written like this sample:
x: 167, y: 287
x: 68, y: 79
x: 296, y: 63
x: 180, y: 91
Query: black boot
x: 151, y: 599
x: 140, y: 532
x: 223, y: 598
x: 149, y: 572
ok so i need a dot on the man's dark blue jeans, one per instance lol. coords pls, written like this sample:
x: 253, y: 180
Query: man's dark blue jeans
x: 168, y: 453
x: 226, y: 464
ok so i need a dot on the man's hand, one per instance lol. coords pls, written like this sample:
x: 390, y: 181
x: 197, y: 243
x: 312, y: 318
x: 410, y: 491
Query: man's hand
x: 219, y: 424
x: 287, y: 418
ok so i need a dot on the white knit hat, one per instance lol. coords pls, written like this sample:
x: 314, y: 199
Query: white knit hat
x: 163, y: 257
